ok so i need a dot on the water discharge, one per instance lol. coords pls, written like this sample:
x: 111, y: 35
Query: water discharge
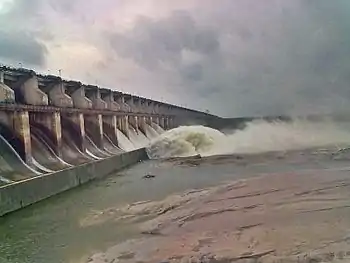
x: 109, y: 146
x: 124, y: 142
x: 43, y: 233
x: 91, y: 147
x: 40, y: 167
x: 157, y: 128
x: 138, y: 139
x: 257, y: 136
x: 143, y: 139
x: 151, y: 133
x: 12, y: 167
x: 45, y: 155
x: 46, y: 160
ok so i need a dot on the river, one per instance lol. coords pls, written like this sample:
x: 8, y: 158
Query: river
x: 72, y: 226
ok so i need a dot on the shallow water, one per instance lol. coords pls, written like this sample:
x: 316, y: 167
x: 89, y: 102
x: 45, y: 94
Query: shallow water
x: 53, y: 230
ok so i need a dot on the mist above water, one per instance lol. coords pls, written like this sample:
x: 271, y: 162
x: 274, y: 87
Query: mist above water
x: 257, y: 136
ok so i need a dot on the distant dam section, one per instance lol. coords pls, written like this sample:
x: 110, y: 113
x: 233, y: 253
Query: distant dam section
x: 48, y: 124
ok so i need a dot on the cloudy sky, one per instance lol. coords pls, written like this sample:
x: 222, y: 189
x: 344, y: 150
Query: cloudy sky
x: 232, y: 57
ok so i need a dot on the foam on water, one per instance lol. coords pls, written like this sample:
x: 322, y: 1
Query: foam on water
x: 184, y: 141
x: 257, y: 136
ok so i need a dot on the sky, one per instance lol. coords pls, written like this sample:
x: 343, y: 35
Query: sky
x: 231, y: 57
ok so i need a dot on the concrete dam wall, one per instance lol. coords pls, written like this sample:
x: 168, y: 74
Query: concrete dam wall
x: 21, y: 194
x: 52, y: 124
x: 56, y: 134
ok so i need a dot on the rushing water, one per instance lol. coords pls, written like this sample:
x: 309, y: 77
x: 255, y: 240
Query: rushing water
x: 256, y: 137
x: 12, y: 167
x: 124, y: 142
x: 62, y: 229
x: 151, y: 132
x: 45, y: 159
x: 138, y: 139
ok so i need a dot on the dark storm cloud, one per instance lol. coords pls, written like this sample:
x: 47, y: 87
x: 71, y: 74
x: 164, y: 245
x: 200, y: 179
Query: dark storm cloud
x: 250, y: 57
x: 151, y: 43
x: 20, y: 40
x: 242, y: 57
x: 192, y: 72
x: 22, y: 48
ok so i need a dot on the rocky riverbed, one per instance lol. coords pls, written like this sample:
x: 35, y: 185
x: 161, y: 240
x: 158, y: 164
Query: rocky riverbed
x: 300, y: 216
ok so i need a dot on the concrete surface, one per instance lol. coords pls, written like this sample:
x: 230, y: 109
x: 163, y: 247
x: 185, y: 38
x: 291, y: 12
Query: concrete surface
x: 111, y: 104
x: 58, y: 96
x: 97, y: 101
x: 31, y: 93
x: 6, y: 93
x: 18, y: 195
x: 80, y: 101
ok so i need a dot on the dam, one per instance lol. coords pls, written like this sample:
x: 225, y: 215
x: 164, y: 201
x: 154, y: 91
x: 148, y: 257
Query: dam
x: 162, y: 131
x: 48, y: 112
x: 48, y: 124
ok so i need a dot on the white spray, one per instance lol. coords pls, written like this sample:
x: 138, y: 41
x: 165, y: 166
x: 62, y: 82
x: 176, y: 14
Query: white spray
x: 257, y: 136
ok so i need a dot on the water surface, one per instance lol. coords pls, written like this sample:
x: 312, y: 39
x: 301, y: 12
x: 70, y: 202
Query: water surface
x: 53, y: 230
